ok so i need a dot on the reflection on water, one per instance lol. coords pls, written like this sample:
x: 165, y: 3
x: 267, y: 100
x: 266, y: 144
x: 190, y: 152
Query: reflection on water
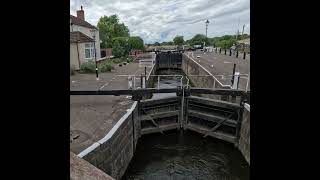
x: 167, y: 82
x: 186, y: 155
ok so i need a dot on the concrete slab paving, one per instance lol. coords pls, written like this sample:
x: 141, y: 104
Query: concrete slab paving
x: 91, y: 117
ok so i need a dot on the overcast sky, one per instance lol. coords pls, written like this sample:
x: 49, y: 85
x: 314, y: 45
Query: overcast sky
x: 162, y: 20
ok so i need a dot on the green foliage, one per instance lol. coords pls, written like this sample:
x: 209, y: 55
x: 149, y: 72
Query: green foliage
x: 105, y: 67
x: 226, y: 44
x: 88, y: 67
x: 199, y: 39
x: 109, y: 28
x: 136, y: 42
x: 117, y: 49
x: 178, y: 40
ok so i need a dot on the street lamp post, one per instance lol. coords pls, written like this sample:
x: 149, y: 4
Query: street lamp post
x: 93, y: 31
x: 207, y: 23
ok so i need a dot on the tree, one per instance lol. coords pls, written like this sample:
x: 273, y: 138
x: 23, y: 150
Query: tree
x: 178, y: 40
x: 136, y: 42
x: 199, y: 39
x: 157, y: 44
x: 117, y: 49
x: 109, y: 28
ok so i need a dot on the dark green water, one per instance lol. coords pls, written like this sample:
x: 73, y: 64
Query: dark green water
x: 186, y: 155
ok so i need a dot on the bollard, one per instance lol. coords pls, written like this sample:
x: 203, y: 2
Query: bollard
x: 225, y: 51
x: 235, y: 83
x: 233, y: 71
x: 220, y: 50
x: 244, y: 55
x: 216, y: 49
x: 229, y: 52
x: 237, y: 54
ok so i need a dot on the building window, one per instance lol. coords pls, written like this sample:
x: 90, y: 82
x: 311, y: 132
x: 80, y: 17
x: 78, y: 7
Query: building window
x: 89, y: 50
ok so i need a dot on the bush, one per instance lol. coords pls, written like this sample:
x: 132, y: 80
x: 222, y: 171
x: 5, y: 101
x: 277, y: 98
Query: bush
x: 116, y: 60
x: 105, y: 67
x: 88, y: 67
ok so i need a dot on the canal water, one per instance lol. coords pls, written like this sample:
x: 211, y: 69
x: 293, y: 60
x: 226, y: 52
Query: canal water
x: 184, y: 155
x: 167, y: 80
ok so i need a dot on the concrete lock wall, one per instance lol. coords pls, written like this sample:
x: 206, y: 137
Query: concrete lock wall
x: 244, y: 140
x: 113, y: 153
x: 193, y: 69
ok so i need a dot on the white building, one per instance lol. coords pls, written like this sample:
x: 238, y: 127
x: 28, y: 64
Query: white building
x: 84, y: 41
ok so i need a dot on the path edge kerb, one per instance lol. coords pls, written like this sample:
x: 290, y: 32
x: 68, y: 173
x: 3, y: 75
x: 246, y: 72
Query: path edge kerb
x: 110, y: 133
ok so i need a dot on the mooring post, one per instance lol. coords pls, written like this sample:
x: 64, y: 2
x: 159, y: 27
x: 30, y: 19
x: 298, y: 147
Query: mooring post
x: 225, y: 51
x: 235, y: 83
x: 145, y: 70
x: 244, y: 55
x: 229, y: 52
x: 237, y: 54
x: 233, y: 71
x: 220, y: 50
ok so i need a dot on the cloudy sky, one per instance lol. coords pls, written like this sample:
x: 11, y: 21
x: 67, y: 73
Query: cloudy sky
x: 162, y: 20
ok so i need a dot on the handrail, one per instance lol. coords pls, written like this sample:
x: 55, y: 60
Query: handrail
x: 208, y: 72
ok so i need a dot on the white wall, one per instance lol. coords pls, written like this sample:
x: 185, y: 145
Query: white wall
x: 87, y: 32
x: 74, y: 62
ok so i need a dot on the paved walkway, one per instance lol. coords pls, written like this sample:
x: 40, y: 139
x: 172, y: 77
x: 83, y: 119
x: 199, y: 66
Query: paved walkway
x: 91, y: 117
x: 221, y: 64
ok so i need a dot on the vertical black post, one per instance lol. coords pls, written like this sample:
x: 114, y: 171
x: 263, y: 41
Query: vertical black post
x: 220, y: 50
x: 216, y: 49
x: 225, y: 51
x: 95, y: 58
x: 244, y: 55
x: 141, y: 79
x: 233, y: 71
x: 238, y: 82
x: 237, y: 54
x: 145, y: 70
x: 229, y: 52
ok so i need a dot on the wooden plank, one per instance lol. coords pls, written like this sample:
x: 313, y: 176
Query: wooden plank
x: 212, y: 118
x: 162, y: 128
x: 217, y: 125
x: 213, y: 102
x: 160, y: 115
x: 217, y: 134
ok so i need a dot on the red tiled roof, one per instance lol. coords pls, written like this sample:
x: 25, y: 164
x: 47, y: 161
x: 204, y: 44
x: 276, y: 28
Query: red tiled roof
x: 79, y: 37
x: 80, y: 22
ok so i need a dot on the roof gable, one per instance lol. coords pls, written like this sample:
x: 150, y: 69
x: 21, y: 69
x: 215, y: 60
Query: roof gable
x: 79, y: 37
x: 80, y: 22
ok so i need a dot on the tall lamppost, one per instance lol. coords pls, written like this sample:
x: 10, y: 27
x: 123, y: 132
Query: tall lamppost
x: 93, y: 31
x: 207, y: 23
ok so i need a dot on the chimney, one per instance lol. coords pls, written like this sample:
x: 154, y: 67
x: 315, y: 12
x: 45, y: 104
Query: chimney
x: 80, y: 14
